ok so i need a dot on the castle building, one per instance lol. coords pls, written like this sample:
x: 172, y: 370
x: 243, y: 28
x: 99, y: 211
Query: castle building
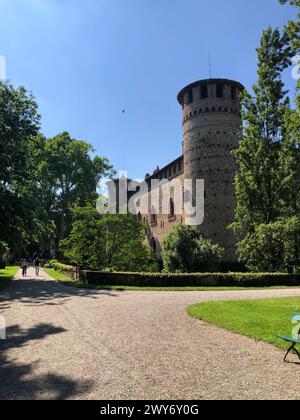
x: 211, y: 121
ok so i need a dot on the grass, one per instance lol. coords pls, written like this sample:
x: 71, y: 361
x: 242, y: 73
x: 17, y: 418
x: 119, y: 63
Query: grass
x: 258, y: 319
x: 6, y: 275
x: 56, y: 275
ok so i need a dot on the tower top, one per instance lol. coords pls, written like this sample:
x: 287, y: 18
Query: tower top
x: 199, y: 83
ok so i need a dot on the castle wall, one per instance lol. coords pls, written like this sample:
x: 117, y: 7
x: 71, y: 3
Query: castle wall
x: 211, y: 126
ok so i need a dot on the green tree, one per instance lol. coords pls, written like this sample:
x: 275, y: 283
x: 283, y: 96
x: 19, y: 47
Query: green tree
x: 67, y: 175
x: 19, y: 124
x: 272, y: 246
x: 262, y: 176
x: 268, y: 181
x: 292, y: 29
x: 107, y: 242
x: 186, y: 251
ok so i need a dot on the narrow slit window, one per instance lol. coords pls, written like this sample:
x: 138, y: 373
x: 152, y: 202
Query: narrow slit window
x: 219, y: 90
x: 204, y: 91
x: 189, y: 97
x: 233, y: 93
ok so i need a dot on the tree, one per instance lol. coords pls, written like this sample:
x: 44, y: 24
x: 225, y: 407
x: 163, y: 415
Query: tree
x: 268, y: 180
x: 272, y: 246
x: 261, y: 179
x: 292, y: 29
x: 19, y: 124
x: 4, y: 251
x: 186, y: 251
x: 67, y: 175
x: 107, y: 242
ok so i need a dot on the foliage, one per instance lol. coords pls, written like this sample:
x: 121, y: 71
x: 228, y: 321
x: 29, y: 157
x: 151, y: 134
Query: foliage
x: 67, y: 175
x: 64, y: 269
x: 4, y: 251
x: 268, y: 179
x: 20, y: 211
x: 186, y: 251
x: 240, y: 280
x: 107, y: 242
x: 273, y: 245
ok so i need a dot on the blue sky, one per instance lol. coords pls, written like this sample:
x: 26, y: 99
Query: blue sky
x: 87, y: 60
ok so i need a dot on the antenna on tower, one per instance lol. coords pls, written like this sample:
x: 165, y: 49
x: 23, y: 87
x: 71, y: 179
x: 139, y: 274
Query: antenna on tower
x: 209, y: 66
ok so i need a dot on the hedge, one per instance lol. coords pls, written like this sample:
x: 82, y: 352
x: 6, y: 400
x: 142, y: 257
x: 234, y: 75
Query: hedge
x: 67, y: 270
x: 189, y: 280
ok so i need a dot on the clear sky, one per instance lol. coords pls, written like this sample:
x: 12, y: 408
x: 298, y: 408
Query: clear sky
x: 87, y: 60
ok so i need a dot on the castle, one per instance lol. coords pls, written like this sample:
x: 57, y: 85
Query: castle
x: 211, y: 126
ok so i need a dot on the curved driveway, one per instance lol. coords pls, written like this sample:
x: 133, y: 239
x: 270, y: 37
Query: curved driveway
x: 64, y: 343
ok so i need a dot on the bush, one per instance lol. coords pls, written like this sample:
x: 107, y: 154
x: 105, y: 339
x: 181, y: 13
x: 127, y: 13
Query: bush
x: 273, y: 247
x: 65, y: 269
x: 4, y: 251
x: 189, y: 280
x: 186, y: 251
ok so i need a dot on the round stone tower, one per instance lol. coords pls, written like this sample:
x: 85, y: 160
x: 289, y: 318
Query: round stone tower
x: 211, y: 128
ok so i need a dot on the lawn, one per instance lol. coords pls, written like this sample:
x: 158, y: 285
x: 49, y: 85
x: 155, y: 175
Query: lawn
x: 258, y: 319
x: 56, y: 275
x: 6, y: 275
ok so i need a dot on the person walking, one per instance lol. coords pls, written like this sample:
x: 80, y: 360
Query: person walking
x: 24, y: 267
x: 37, y: 265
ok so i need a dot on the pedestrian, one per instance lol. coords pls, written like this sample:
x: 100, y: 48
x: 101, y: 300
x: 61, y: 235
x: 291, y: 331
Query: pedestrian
x: 24, y: 267
x: 37, y: 265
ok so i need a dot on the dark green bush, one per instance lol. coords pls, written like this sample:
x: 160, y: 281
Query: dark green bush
x: 68, y: 270
x: 189, y: 280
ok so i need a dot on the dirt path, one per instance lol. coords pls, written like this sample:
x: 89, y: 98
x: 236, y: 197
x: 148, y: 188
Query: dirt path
x: 64, y: 343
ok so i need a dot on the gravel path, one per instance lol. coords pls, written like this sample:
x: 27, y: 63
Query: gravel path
x: 64, y: 343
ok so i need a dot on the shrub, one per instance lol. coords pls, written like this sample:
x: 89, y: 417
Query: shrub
x: 186, y: 251
x: 272, y: 247
x: 190, y: 280
x: 65, y: 269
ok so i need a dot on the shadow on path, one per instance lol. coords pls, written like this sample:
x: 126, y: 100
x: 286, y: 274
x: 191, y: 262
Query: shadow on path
x: 38, y: 292
x: 18, y: 381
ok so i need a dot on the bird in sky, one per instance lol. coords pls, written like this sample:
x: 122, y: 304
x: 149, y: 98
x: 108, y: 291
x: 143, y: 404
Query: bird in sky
x: 124, y: 110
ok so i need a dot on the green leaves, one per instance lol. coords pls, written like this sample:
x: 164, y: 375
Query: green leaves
x: 186, y: 251
x: 107, y: 242
x: 268, y: 179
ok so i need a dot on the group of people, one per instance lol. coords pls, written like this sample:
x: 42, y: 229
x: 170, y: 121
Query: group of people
x: 25, y: 265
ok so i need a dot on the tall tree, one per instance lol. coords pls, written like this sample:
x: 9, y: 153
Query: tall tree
x: 267, y: 220
x: 67, y: 175
x: 19, y: 124
x: 258, y: 182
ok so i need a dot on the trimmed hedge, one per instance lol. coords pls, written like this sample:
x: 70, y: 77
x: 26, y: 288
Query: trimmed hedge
x: 67, y: 270
x: 189, y: 280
